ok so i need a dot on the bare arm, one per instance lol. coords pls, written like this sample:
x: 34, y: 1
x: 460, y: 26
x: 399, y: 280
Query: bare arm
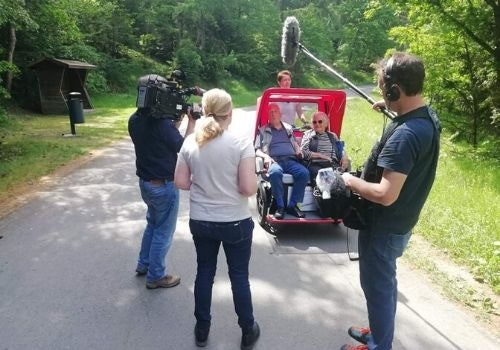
x: 300, y: 113
x: 182, y: 177
x: 344, y: 161
x: 386, y: 192
x: 297, y: 148
x: 190, y: 126
x: 247, y: 179
x: 267, y: 159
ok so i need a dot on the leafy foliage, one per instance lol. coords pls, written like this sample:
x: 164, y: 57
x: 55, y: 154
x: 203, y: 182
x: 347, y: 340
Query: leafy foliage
x: 216, y: 40
x: 460, y: 44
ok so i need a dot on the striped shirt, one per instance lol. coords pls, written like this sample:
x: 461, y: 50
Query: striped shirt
x: 325, y: 147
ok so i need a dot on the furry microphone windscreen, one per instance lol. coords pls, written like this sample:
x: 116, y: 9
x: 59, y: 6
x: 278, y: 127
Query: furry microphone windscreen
x: 290, y: 40
x: 338, y: 188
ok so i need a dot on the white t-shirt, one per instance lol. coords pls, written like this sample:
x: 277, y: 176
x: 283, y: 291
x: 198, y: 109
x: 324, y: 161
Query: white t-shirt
x: 214, y: 192
x: 288, y: 111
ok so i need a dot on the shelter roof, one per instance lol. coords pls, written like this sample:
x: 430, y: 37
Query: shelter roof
x: 64, y: 63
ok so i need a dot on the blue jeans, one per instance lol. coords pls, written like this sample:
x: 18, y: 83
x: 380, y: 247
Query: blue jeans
x: 163, y: 206
x: 300, y: 176
x: 236, y: 239
x: 377, y: 272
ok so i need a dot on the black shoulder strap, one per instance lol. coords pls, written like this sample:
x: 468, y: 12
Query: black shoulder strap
x: 431, y: 115
x: 434, y: 119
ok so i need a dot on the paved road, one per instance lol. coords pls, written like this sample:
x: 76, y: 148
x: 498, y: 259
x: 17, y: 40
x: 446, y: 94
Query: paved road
x: 67, y: 281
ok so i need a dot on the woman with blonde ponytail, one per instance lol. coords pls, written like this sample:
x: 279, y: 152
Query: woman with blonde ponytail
x: 218, y: 168
x: 217, y: 107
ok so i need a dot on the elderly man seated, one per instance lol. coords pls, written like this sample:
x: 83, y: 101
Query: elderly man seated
x: 281, y: 152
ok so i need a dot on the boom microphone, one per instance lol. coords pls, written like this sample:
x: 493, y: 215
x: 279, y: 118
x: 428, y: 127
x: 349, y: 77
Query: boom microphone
x: 290, y: 40
x: 290, y: 46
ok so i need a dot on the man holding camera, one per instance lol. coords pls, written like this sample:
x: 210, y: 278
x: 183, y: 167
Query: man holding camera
x: 157, y: 141
x: 397, y: 179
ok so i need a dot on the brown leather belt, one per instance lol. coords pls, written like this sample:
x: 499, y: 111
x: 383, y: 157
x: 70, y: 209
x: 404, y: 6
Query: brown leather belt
x: 157, y: 181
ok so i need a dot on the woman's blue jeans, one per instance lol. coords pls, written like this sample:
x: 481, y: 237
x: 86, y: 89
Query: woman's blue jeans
x: 377, y: 272
x: 236, y: 239
x: 161, y: 217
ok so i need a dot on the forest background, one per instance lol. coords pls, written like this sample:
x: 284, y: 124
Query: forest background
x: 237, y: 43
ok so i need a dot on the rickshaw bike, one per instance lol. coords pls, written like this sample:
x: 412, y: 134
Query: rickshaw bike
x: 332, y: 102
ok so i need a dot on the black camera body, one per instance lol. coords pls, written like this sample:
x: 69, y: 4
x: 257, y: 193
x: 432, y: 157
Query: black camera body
x: 164, y: 97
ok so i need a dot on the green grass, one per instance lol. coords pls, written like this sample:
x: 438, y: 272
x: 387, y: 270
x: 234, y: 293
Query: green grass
x: 33, y: 145
x: 465, y: 205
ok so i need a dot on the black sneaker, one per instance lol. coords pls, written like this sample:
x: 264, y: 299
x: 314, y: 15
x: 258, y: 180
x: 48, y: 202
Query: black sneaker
x: 279, y: 214
x: 141, y: 271
x: 201, y: 336
x: 249, y: 337
x: 295, y: 211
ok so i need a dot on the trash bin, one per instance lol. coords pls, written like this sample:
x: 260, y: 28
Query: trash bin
x: 75, y: 107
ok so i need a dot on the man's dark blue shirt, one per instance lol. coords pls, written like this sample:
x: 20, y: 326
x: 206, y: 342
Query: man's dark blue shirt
x: 157, y: 142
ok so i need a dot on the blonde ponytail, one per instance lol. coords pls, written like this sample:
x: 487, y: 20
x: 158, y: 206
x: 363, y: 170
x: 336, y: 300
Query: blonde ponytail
x: 217, y: 106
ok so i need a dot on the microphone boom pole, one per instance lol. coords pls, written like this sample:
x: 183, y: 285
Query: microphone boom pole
x: 290, y: 45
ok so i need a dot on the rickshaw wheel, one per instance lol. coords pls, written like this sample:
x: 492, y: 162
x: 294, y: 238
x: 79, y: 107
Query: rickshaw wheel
x: 262, y: 205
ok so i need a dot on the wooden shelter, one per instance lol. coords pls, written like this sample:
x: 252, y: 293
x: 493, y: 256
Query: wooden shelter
x: 56, y: 79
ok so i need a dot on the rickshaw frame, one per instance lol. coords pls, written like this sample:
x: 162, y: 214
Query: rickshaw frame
x: 330, y: 101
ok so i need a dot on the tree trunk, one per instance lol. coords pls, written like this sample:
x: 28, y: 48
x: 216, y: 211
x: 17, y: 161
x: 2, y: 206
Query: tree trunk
x: 10, y: 56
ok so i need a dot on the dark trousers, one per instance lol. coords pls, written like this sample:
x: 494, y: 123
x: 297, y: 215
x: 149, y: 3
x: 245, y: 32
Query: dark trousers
x: 236, y: 239
x: 377, y: 272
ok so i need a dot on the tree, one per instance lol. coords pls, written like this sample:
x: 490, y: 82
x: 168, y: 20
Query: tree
x: 13, y: 16
x: 460, y: 43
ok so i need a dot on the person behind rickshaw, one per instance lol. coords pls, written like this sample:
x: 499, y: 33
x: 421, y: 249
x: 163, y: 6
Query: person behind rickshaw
x: 278, y: 147
x: 289, y: 110
x: 322, y: 148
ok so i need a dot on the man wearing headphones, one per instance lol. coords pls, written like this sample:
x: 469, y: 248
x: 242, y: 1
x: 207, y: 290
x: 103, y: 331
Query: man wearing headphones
x: 397, y: 180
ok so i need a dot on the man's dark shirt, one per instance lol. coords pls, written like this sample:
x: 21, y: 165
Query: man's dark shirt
x: 157, y: 142
x: 280, y: 144
x: 413, y: 150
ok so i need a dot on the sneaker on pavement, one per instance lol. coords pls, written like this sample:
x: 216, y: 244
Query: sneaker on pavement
x: 201, y: 336
x: 166, y: 282
x: 141, y: 271
x: 361, y: 334
x: 250, y: 336
x: 354, y: 347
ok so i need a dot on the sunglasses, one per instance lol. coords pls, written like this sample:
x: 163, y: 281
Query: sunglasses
x: 318, y: 121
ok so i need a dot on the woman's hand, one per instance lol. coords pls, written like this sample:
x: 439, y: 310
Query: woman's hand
x: 344, y: 162
x: 321, y: 156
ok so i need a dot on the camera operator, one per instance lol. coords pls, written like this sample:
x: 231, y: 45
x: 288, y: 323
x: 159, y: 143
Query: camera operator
x: 157, y: 141
x: 397, y: 179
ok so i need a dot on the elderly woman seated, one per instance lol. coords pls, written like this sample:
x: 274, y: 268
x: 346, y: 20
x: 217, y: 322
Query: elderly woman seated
x: 322, y: 148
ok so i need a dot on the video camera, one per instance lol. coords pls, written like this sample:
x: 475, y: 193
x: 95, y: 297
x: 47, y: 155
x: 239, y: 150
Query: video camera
x: 164, y: 97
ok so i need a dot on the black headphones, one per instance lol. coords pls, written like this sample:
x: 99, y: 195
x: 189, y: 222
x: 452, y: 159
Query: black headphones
x: 392, y: 92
